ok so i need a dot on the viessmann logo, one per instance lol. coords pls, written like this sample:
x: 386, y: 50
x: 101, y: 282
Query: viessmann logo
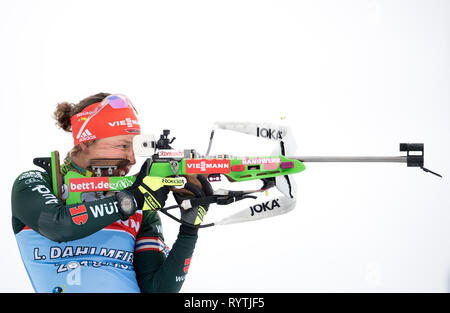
x: 89, y: 184
x: 205, y: 166
x: 126, y: 122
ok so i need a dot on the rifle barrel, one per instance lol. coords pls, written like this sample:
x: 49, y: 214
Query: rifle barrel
x: 366, y: 159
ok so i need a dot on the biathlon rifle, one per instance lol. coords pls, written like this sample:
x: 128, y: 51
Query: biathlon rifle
x: 173, y: 168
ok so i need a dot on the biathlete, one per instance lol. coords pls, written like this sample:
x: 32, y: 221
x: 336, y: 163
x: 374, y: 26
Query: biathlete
x: 111, y: 241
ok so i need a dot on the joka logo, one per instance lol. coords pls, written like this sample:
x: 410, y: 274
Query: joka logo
x: 187, y: 263
x: 79, y: 214
x: 263, y: 207
x: 269, y: 133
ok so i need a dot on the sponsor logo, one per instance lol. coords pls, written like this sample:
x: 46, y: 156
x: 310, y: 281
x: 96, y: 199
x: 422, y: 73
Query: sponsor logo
x: 46, y: 193
x: 269, y: 133
x: 120, y: 184
x: 86, y: 135
x: 89, y: 184
x: 265, y: 206
x: 83, y: 113
x: 131, y: 225
x: 205, y: 166
x: 168, y: 181
x: 126, y: 122
x: 32, y: 175
x: 31, y: 181
x: 170, y: 154
x: 260, y: 161
x: 187, y: 263
x: 100, y: 210
x: 180, y: 278
x: 79, y: 214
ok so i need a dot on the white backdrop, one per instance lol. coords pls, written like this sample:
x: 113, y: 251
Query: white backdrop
x: 351, y: 78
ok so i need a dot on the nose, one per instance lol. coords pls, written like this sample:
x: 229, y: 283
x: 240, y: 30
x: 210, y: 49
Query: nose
x: 131, y: 156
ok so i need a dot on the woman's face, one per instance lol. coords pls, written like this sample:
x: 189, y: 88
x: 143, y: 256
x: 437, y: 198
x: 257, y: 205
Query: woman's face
x: 117, y: 147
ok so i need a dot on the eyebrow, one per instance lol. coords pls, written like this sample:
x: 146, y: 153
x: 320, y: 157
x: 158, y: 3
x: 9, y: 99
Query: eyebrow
x: 122, y: 142
x: 125, y: 141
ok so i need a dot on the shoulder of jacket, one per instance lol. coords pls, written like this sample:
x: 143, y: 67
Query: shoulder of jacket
x: 32, y: 176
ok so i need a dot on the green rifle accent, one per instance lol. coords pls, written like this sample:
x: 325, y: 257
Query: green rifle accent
x: 78, y: 183
x: 54, y: 175
x: 254, y: 171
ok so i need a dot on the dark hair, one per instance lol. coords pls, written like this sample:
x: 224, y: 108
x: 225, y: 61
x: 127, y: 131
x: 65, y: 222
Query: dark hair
x: 65, y: 110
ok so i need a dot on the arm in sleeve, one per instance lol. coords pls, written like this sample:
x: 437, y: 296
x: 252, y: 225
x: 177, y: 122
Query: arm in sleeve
x: 157, y: 269
x: 34, y: 205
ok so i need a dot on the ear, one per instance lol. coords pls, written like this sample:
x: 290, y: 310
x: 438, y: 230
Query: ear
x: 84, y: 147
